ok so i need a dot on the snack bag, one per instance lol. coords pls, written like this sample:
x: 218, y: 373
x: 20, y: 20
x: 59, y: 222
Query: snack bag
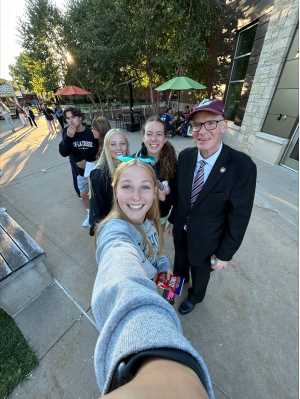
x: 170, y: 287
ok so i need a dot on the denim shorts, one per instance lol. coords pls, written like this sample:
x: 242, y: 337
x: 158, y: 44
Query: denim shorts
x: 83, y: 184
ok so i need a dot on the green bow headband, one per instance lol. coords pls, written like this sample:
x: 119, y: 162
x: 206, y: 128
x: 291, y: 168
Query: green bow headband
x: 149, y: 160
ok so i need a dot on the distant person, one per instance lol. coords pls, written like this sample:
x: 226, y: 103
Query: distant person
x: 100, y: 126
x: 59, y: 113
x: 168, y: 118
x: 183, y: 130
x: 49, y: 116
x: 81, y: 145
x: 32, y: 116
x: 101, y: 194
x: 215, y: 190
x: 187, y: 110
x: 22, y: 115
x: 5, y: 113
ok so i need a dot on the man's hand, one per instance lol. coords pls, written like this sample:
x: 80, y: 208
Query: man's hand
x: 218, y: 264
x: 169, y: 228
x: 71, y: 131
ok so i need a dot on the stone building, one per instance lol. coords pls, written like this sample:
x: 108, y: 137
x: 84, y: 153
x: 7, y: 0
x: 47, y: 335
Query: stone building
x: 262, y: 93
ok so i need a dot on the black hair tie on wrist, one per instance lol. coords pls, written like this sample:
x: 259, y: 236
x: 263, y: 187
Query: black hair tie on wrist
x: 127, y: 368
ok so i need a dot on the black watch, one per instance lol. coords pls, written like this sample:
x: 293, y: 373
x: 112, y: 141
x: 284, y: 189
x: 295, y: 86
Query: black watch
x: 128, y: 367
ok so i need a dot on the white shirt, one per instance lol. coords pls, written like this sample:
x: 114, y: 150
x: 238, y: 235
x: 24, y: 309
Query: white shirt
x: 210, y: 161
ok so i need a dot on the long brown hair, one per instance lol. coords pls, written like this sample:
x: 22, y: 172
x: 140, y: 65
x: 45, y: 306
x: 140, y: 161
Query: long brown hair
x: 167, y: 156
x: 102, y: 125
x: 152, y: 214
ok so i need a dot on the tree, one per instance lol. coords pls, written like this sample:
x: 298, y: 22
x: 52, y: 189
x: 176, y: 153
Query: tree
x: 117, y: 40
x: 42, y: 39
x: 21, y: 71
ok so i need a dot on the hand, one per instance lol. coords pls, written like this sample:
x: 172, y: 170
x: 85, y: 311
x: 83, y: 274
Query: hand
x: 162, y: 195
x: 169, y: 228
x: 166, y: 187
x: 218, y: 264
x: 71, y: 131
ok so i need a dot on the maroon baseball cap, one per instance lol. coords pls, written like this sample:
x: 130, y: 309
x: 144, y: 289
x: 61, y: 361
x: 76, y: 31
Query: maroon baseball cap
x: 214, y: 106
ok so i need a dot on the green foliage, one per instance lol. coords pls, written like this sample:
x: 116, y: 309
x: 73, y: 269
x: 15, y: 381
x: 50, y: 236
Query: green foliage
x: 116, y: 40
x: 40, y: 67
x: 33, y: 75
x: 16, y: 358
x: 113, y: 41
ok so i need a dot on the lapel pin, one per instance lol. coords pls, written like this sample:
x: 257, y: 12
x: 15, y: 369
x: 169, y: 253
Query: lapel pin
x: 223, y: 170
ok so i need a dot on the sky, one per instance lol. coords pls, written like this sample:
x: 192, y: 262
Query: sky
x: 10, y: 12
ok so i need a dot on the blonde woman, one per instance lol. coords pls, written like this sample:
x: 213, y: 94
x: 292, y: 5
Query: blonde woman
x: 135, y: 324
x: 115, y: 144
x: 135, y: 212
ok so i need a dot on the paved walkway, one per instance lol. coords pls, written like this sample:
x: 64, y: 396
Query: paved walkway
x: 246, y: 329
x: 5, y: 129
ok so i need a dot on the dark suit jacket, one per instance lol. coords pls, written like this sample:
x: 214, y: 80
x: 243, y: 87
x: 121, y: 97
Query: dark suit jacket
x: 217, y: 222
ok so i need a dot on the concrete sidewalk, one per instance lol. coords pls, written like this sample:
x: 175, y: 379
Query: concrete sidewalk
x: 247, y: 327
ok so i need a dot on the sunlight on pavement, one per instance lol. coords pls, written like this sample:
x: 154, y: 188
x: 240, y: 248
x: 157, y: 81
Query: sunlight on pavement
x: 18, y: 147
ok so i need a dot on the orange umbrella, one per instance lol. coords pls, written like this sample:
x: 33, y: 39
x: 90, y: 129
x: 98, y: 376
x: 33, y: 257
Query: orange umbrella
x: 72, y: 91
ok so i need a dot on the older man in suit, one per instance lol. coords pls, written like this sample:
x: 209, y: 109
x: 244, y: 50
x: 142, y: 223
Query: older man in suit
x: 213, y: 202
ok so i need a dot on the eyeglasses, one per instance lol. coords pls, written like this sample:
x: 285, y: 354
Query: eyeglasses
x: 209, y: 125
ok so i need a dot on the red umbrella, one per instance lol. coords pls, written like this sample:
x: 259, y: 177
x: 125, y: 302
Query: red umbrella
x: 72, y: 91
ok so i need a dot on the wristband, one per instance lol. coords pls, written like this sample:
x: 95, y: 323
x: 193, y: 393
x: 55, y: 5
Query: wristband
x: 127, y: 368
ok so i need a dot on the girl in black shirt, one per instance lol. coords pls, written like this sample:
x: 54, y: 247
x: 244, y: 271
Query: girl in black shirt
x: 156, y: 145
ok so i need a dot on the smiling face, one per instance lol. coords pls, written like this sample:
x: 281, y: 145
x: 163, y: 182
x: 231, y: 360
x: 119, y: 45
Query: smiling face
x: 135, y: 193
x: 154, y: 138
x: 208, y: 141
x: 118, y: 145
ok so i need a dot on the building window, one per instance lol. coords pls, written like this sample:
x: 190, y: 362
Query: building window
x: 283, y: 113
x: 238, y: 72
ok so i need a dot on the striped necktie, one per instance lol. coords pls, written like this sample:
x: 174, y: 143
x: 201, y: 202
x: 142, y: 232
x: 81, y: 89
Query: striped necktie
x: 198, y: 182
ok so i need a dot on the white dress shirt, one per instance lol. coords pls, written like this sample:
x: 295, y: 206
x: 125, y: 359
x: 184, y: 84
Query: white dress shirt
x: 210, y: 161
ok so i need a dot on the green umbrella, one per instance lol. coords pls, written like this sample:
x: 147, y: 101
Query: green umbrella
x: 180, y: 83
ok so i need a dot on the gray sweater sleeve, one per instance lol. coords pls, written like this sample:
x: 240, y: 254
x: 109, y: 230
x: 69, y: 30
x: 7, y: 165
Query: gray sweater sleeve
x: 130, y: 315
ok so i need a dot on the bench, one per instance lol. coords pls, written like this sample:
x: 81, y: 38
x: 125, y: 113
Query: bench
x: 17, y: 248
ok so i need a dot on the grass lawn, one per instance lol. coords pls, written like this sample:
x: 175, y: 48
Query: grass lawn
x: 16, y: 358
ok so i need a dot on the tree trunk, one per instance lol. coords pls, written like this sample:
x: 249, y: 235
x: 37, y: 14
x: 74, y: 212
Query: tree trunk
x: 149, y: 73
x: 151, y: 97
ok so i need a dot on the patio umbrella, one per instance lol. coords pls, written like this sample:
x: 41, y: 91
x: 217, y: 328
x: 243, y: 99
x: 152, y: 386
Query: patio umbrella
x: 180, y: 83
x: 72, y: 91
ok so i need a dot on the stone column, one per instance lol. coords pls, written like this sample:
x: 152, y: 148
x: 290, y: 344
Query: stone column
x: 282, y: 24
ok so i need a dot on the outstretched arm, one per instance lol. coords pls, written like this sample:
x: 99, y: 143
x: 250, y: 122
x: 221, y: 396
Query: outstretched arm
x: 132, y: 317
x: 162, y: 379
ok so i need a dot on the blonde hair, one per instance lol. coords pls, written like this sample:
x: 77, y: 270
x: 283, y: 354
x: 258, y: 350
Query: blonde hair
x: 106, y: 160
x: 152, y: 214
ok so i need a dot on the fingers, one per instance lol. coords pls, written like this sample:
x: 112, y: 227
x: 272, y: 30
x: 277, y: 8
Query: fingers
x: 219, y: 265
x: 169, y: 228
